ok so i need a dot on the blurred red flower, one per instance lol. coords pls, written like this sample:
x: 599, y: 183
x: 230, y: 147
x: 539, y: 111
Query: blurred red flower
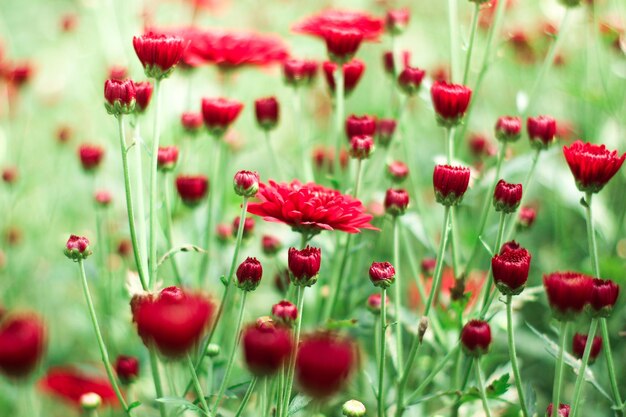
x: 317, y: 25
x: 70, y: 384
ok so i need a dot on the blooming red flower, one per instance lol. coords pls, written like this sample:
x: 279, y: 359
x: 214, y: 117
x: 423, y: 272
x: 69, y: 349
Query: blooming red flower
x: 592, y: 165
x: 396, y: 201
x: 266, y: 111
x: 299, y: 72
x: 507, y: 196
x: 285, y: 313
x: 22, y: 344
x: 324, y: 364
x: 192, y: 188
x: 568, y: 293
x: 450, y: 102
x: 476, y: 337
x: 410, y: 79
x: 219, y: 114
x: 90, y: 156
x: 159, y: 53
x: 382, y: 274
x: 304, y: 265
x: 579, y: 342
x: 352, y: 72
x: 508, y: 128
x: 510, y: 269
x: 173, y: 321
x: 360, y: 125
x: 310, y: 208
x: 167, y: 157
x: 120, y: 96
x: 541, y: 131
x: 70, y: 385
x: 143, y: 92
x: 317, y: 25
x: 266, y: 348
x: 127, y: 368
x: 385, y: 129
x: 603, y: 297
x: 450, y: 183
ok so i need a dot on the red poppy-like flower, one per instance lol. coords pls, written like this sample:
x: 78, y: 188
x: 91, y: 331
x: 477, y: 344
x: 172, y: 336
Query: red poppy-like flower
x: 270, y: 245
x: 317, y: 25
x: 410, y: 79
x: 22, y: 344
x: 450, y: 183
x: 159, y: 53
x: 310, y: 208
x: 508, y: 128
x: 476, y: 337
x: 396, y: 201
x: 385, y: 129
x: 173, y: 321
x: 192, y: 122
x: 361, y: 146
x: 249, y: 274
x: 603, y: 297
x: 568, y: 293
x: 563, y: 410
x: 266, y: 348
x: 219, y: 114
x: 579, y: 342
x: 192, y: 188
x: 541, y: 131
x: 510, y: 269
x: 304, y: 265
x: 167, y: 157
x: 352, y: 72
x: 143, y: 92
x: 507, y: 196
x: 592, y: 165
x: 127, y: 368
x: 285, y: 313
x: 70, y: 385
x: 382, y: 274
x: 397, y: 171
x: 90, y: 156
x: 389, y: 63
x: 267, y: 111
x: 299, y: 72
x: 324, y: 364
x: 360, y: 125
x: 450, y: 102
x: 396, y: 21
x: 120, y: 96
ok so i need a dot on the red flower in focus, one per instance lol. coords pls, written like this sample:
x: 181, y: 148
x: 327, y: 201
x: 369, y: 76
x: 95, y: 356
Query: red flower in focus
x: 507, y: 196
x: 476, y: 337
x: 450, y: 102
x: 70, y: 384
x: 541, y: 131
x: 173, y: 321
x: 592, y: 165
x: 450, y: 183
x: 510, y: 268
x: 266, y: 348
x: 310, y: 208
x: 22, y: 343
x: 568, y: 293
x: 352, y: 72
x: 159, y: 53
x: 324, y: 364
x: 90, y: 156
x: 370, y: 27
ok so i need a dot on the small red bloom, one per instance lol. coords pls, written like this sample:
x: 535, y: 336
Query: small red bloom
x: 144, y: 94
x: 568, y: 293
x: 361, y: 146
x: 526, y: 217
x: 480, y: 146
x: 508, y: 128
x: 410, y: 79
x: 127, y: 369
x: 370, y: 27
x: 397, y: 171
x: 77, y: 248
x: 324, y: 364
x: 225, y: 232
x: 510, y: 269
x: 450, y: 183
x: 563, y: 410
x: 118, y: 72
x: 428, y: 266
x: 603, y: 297
x: 192, y: 188
x: 352, y: 72
x: 450, y: 102
x: 541, y: 131
x: 22, y: 344
x: 476, y: 337
x: 382, y: 274
x: 389, y: 63
x: 270, y: 245
x: 396, y: 201
x: 167, y: 157
x: 266, y: 348
x: 246, y: 183
x: 90, y: 156
x: 385, y: 129
x: 159, y: 53
x: 173, y: 321
x: 592, y: 165
x: 396, y: 21
x: 267, y: 111
x: 120, y: 96
x: 374, y: 302
x: 299, y: 72
x: 9, y: 175
x: 310, y: 208
x: 360, y: 125
x: 192, y: 122
x: 70, y: 385
x: 248, y: 226
x: 304, y: 265
x: 219, y: 114
x: 249, y: 274
x: 579, y: 342
x: 507, y: 196
x: 285, y: 313
x: 103, y: 198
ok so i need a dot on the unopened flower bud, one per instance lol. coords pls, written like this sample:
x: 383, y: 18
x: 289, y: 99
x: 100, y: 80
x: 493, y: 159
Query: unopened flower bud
x: 353, y: 408
x: 77, y: 248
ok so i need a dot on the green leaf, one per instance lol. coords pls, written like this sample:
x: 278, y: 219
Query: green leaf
x: 298, y: 403
x: 224, y: 280
x: 499, y: 387
x: 134, y: 405
x: 181, y: 402
x: 531, y: 399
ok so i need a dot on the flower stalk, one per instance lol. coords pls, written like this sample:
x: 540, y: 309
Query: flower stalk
x: 513, y: 355
x: 152, y: 257
x: 558, y: 372
x: 481, y: 387
x: 382, y: 353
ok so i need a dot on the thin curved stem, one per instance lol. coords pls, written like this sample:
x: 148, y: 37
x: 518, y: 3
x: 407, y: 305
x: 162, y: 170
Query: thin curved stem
x: 578, y: 387
x: 591, y: 236
x: 196, y: 384
x: 440, y: 365
x: 527, y: 182
x: 168, y: 228
x: 339, y: 118
x: 397, y: 291
x: 481, y: 388
x: 141, y: 207
x: 152, y: 256
x: 292, y: 360
x: 246, y: 397
x: 608, y: 354
x: 558, y: 373
x: 513, y: 356
x: 382, y: 353
x: 273, y: 156
x: 470, y: 48
x: 453, y: 29
x: 156, y: 376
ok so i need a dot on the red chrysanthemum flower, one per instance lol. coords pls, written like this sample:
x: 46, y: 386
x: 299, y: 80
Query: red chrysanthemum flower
x: 159, y: 53
x: 70, y: 384
x: 568, y: 293
x: 592, y: 165
x: 310, y: 208
x: 317, y: 25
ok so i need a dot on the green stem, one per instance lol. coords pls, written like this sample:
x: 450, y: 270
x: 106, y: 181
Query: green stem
x: 281, y: 389
x: 527, y: 182
x: 156, y: 377
x: 359, y: 177
x: 264, y: 398
x: 246, y: 397
x: 129, y: 205
x: 481, y: 388
x: 337, y: 281
x: 103, y: 350
x: 231, y: 357
x: 381, y: 358
x: 591, y: 236
x: 339, y: 118
x: 292, y: 360
x: 454, y: 239
x: 470, y: 48
x: 302, y: 133
x: 513, y: 356
x: 583, y: 366
x: 608, y: 354
x: 453, y: 28
x: 196, y: 383
x: 440, y: 365
x: 417, y: 341
x: 152, y: 256
x: 168, y: 228
x: 558, y: 373
x: 273, y: 155
x: 488, y: 287
x: 397, y: 298
x: 229, y: 280
x: 141, y: 207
